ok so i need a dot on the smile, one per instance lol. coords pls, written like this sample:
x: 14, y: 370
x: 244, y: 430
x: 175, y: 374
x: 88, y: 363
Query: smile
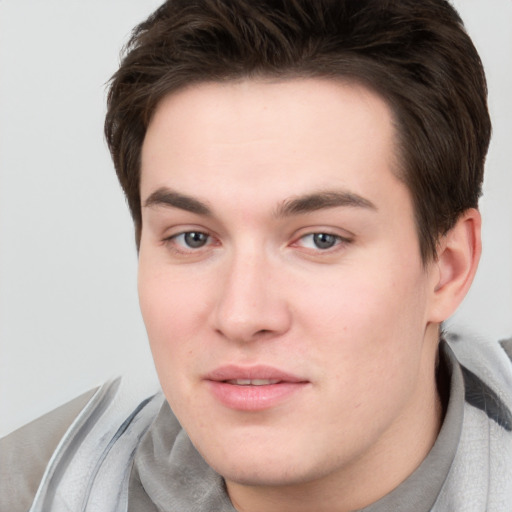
x: 253, y: 382
x: 253, y: 389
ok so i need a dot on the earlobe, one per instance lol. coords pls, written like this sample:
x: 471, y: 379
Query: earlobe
x: 458, y: 256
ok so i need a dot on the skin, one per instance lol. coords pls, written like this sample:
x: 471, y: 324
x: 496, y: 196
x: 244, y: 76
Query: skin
x: 357, y: 321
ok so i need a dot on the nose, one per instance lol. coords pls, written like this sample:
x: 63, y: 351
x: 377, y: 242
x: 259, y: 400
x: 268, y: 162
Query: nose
x: 251, y: 301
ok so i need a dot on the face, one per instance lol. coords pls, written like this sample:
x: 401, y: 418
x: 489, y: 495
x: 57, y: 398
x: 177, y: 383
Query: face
x: 280, y: 279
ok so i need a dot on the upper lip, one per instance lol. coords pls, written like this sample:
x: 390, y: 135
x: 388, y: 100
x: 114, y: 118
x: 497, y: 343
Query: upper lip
x: 235, y: 372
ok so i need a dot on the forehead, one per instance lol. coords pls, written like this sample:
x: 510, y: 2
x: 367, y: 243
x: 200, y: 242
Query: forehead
x: 297, y: 134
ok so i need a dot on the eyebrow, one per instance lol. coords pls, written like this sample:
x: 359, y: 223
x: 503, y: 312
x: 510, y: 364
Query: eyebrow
x: 322, y: 200
x: 294, y: 206
x: 166, y: 197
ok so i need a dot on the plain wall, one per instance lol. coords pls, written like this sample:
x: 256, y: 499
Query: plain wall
x: 69, y: 315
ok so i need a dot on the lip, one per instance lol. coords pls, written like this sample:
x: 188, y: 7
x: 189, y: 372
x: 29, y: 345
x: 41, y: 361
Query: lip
x: 252, y: 397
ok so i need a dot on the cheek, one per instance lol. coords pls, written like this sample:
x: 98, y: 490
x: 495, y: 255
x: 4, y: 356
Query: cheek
x: 171, y: 323
x: 356, y: 299
x: 372, y: 336
x: 173, y: 312
x: 371, y: 319
x: 169, y: 303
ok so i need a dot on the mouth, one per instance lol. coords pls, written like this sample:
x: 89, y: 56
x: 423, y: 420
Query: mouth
x: 254, y: 388
x: 252, y: 382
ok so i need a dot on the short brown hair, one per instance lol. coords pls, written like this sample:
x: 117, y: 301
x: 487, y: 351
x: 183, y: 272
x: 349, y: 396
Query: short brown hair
x: 415, y: 54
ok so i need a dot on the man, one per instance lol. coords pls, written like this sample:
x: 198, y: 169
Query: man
x: 304, y: 181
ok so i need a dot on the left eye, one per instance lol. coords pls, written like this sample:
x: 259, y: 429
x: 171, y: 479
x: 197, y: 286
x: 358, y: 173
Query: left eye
x: 192, y: 239
x: 321, y: 241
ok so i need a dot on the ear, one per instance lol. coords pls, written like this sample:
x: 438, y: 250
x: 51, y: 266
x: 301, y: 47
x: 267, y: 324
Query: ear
x: 457, y: 260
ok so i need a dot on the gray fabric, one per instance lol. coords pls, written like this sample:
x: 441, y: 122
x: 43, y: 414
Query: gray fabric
x: 480, y: 479
x: 169, y: 474
x: 25, y: 453
x: 507, y: 346
x: 89, y: 471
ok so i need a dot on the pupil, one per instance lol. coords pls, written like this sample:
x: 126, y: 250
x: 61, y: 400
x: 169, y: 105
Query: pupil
x: 195, y: 239
x: 324, y: 241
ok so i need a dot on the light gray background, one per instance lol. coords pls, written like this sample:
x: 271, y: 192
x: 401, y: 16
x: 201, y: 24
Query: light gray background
x: 69, y: 316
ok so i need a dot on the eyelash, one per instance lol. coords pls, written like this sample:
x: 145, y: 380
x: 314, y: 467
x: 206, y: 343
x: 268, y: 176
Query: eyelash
x: 183, y: 248
x: 337, y: 241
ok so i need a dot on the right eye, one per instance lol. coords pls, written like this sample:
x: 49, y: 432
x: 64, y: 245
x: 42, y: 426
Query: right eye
x: 320, y: 241
x: 191, y: 239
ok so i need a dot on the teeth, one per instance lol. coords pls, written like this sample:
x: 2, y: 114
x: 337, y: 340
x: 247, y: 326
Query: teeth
x: 263, y: 382
x: 253, y: 382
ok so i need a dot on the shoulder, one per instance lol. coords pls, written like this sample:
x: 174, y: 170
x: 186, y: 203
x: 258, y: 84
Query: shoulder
x: 507, y: 347
x: 26, y: 452
x: 489, y: 360
x: 483, y: 461
x: 95, y: 454
x: 89, y: 440
x: 487, y: 370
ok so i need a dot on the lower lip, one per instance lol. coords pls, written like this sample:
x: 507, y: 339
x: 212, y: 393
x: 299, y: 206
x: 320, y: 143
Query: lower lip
x: 254, y: 398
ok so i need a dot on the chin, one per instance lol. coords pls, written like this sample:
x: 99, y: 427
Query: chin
x: 264, y: 473
x: 264, y: 463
